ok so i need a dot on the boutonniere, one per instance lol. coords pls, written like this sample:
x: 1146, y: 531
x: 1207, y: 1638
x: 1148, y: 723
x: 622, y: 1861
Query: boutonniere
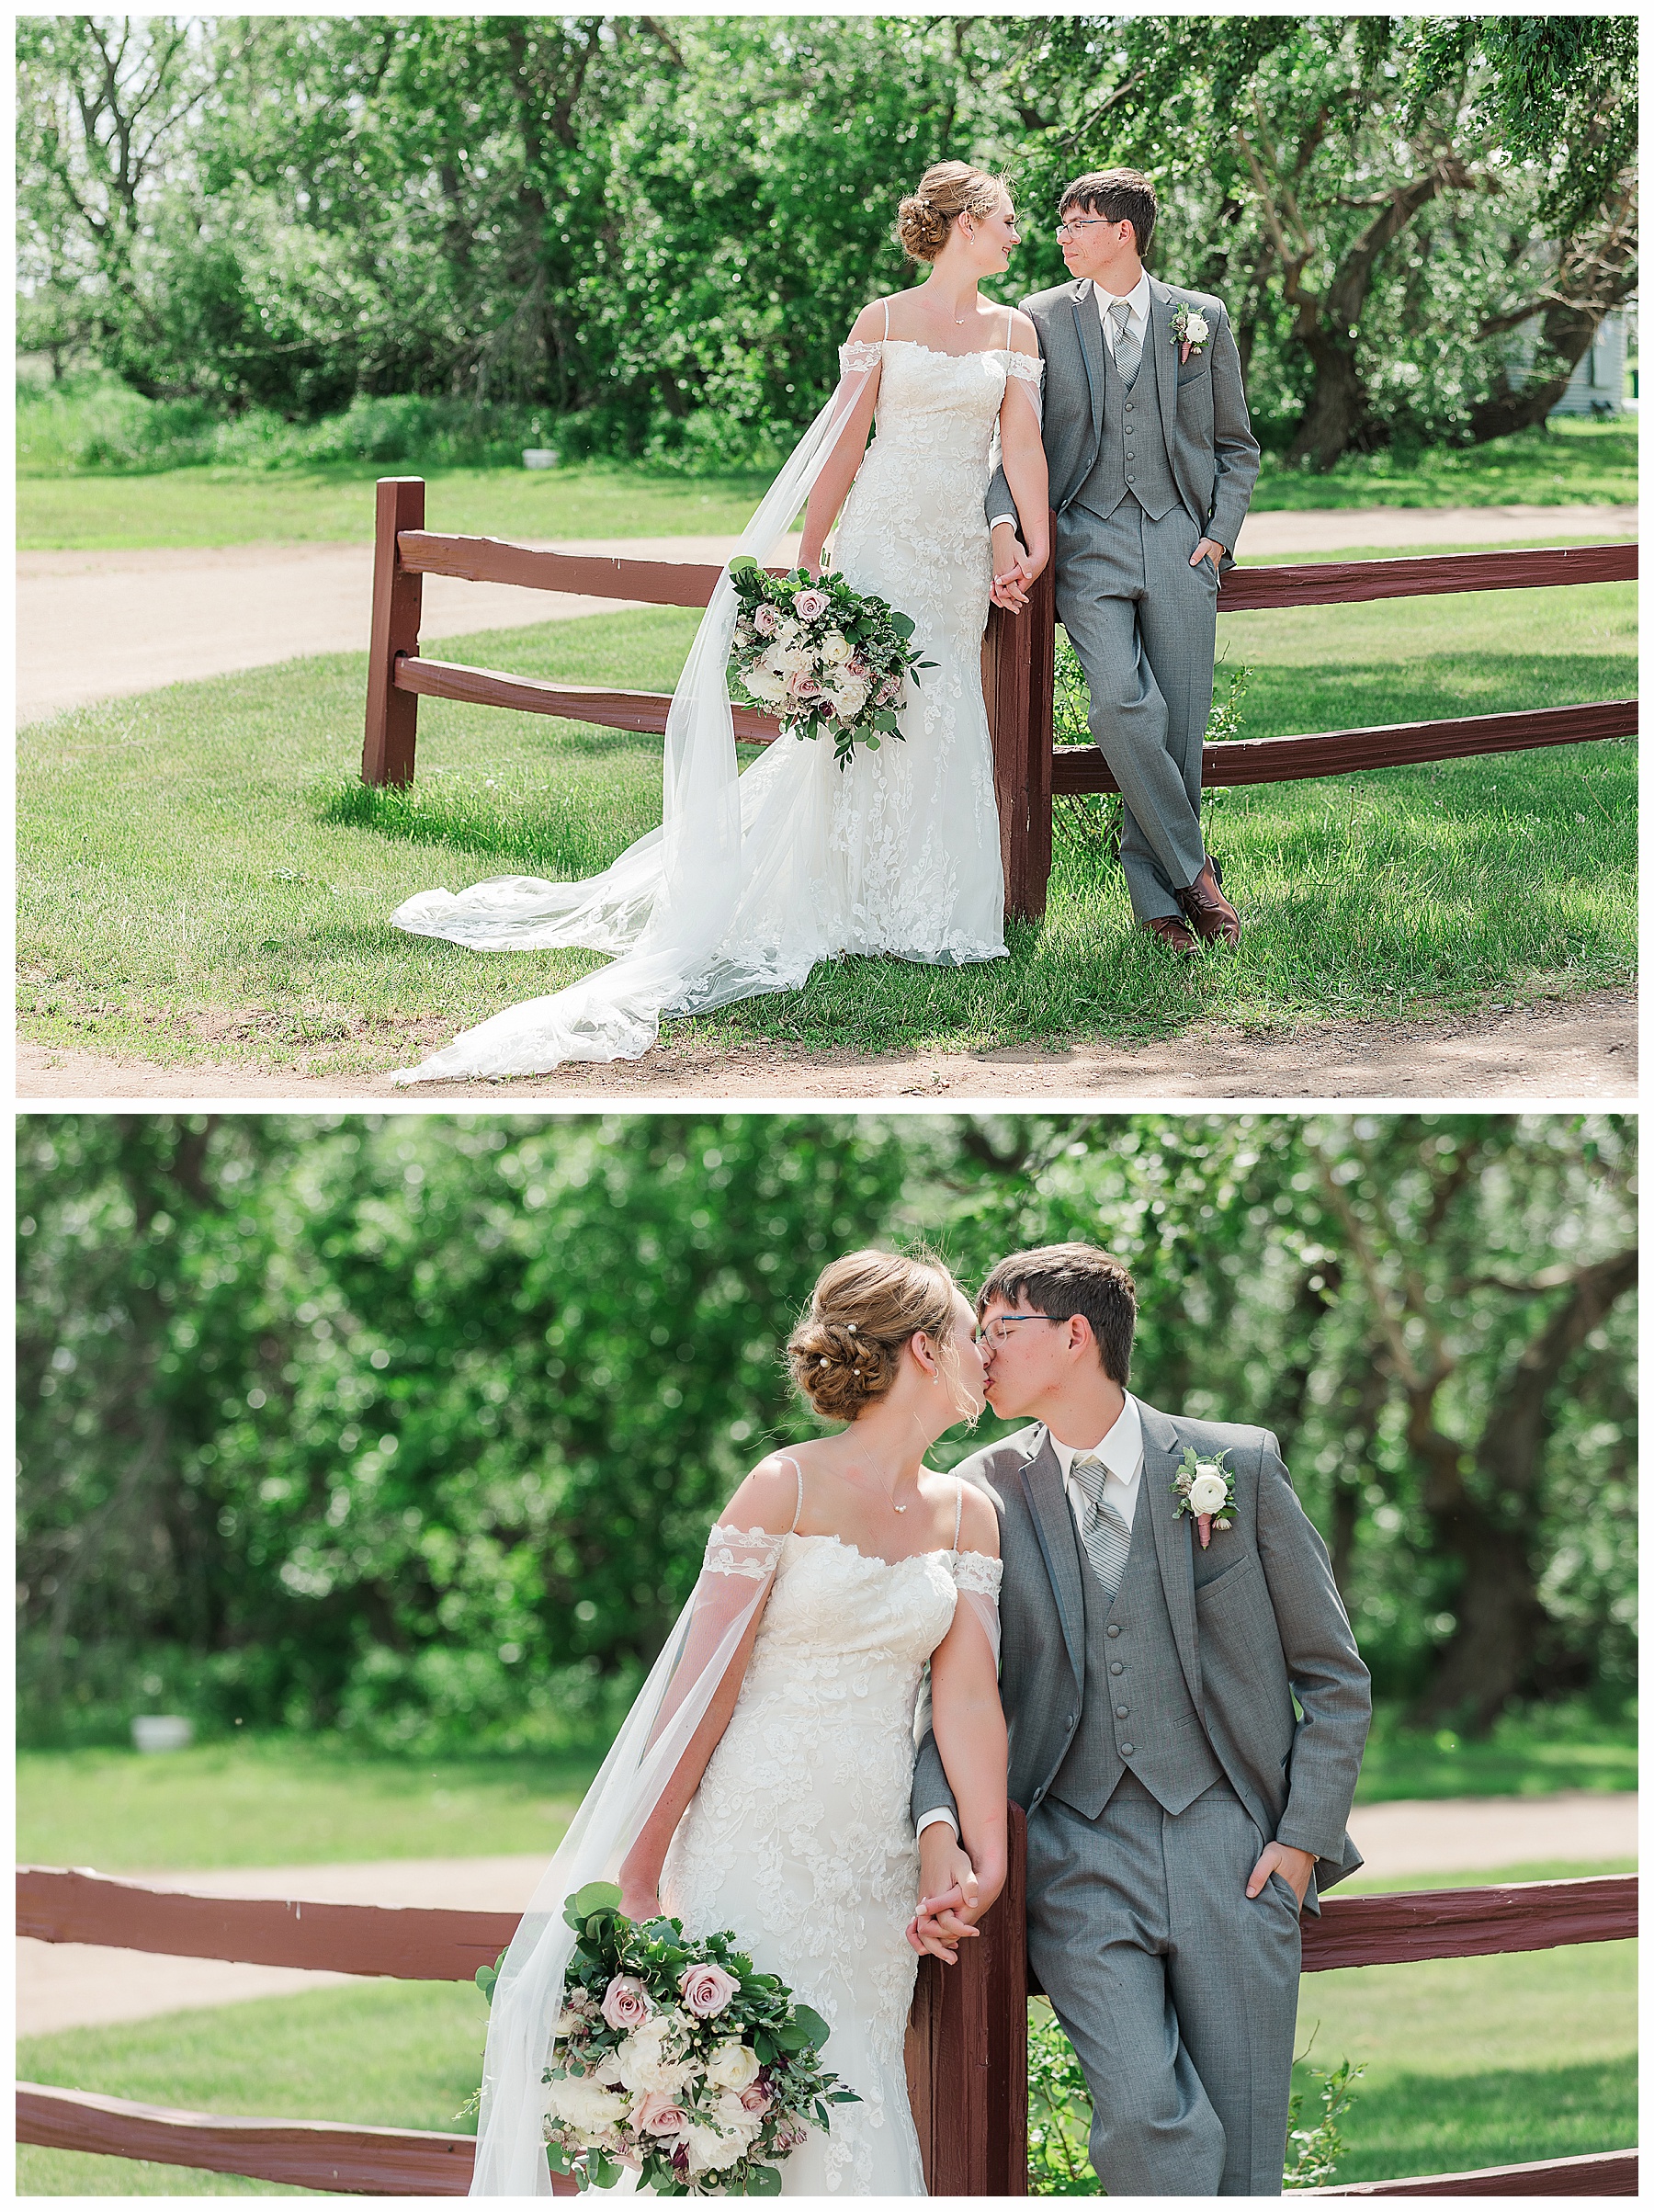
x: 1190, y: 330
x: 1205, y: 1488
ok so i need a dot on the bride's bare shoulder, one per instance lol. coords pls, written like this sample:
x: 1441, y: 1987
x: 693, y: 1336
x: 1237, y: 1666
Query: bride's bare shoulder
x: 979, y: 1523
x: 870, y: 325
x: 1025, y: 338
x: 768, y: 1499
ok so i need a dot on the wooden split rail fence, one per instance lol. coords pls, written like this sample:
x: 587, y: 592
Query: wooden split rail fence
x: 967, y: 2052
x: 1018, y: 662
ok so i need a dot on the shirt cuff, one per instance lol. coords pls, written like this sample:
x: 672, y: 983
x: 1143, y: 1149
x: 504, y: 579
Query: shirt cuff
x: 929, y: 1819
x: 994, y: 521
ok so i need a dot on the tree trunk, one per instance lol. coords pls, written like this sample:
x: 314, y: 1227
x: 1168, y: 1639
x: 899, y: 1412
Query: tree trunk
x: 1336, y: 408
x: 1566, y: 332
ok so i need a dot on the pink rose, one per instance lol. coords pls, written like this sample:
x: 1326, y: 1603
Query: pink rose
x: 625, y: 2004
x: 803, y: 686
x: 812, y: 605
x: 706, y: 1989
x: 860, y: 670
x: 756, y: 2098
x: 657, y: 2113
x: 766, y: 620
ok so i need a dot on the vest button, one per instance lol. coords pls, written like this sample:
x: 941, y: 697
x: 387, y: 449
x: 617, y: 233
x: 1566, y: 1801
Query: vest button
x: 1121, y: 1711
x: 1130, y: 478
x: 1128, y: 406
x: 1116, y: 1666
x: 1068, y: 1720
x: 1127, y: 1749
x: 1114, y: 1628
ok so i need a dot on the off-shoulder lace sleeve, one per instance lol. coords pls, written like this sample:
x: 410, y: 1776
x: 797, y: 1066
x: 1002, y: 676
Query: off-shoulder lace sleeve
x: 856, y: 356
x: 1029, y: 367
x: 975, y: 1570
x: 752, y: 1552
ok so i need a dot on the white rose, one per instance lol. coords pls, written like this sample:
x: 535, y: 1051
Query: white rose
x: 852, y: 698
x: 648, y: 2058
x: 764, y: 686
x: 710, y: 2152
x: 790, y: 660
x: 733, y: 2066
x: 584, y: 2104
x: 835, y: 648
x: 1208, y: 1492
x: 1197, y: 330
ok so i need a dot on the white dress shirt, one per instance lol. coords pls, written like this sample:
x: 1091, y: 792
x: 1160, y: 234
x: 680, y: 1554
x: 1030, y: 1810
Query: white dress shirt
x: 1121, y: 1452
x: 1137, y: 300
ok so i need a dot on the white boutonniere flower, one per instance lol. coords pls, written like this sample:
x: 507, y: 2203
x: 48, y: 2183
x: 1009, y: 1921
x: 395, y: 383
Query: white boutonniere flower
x: 1191, y: 333
x: 1205, y: 1490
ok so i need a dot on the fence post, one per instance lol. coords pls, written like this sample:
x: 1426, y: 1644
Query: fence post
x: 1018, y: 665
x: 392, y: 715
x: 968, y: 2050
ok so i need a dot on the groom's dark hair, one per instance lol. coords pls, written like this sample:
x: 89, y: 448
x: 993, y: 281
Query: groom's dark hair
x: 1060, y: 1280
x: 1118, y: 196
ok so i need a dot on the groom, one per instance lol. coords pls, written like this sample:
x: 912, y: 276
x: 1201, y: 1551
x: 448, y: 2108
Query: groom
x: 1181, y: 1813
x: 1152, y: 462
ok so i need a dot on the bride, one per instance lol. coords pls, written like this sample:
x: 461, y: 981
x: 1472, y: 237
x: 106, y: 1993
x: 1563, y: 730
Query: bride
x: 761, y: 1781
x: 751, y: 879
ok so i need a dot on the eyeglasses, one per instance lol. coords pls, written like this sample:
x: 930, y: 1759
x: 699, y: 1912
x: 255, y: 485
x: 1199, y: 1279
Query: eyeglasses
x: 1072, y: 230
x: 994, y: 1333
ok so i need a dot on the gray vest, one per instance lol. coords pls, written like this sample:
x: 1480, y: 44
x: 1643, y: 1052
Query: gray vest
x: 1135, y: 1711
x: 1131, y: 455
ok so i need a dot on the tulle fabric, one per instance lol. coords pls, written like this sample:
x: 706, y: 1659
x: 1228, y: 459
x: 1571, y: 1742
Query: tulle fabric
x: 734, y: 1583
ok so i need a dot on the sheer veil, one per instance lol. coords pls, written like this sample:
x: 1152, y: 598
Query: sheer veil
x: 669, y: 907
x: 734, y: 1582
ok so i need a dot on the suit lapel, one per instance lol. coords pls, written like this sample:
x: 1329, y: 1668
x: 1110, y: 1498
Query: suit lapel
x: 1089, y: 328
x: 1060, y: 1547
x: 1171, y: 1542
x: 1165, y: 361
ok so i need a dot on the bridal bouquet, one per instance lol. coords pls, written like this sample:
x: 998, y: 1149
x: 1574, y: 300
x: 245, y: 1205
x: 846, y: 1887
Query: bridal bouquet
x: 824, y: 657
x: 676, y: 2060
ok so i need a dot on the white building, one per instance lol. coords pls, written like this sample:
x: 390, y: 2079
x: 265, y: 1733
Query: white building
x: 1598, y: 383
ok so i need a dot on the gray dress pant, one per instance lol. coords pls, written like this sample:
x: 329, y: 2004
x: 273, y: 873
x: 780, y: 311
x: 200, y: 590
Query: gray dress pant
x: 1144, y: 624
x: 1177, y: 1991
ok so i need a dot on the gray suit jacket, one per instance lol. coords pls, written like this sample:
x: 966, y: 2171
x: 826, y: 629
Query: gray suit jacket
x: 1213, y: 453
x: 1257, y: 1617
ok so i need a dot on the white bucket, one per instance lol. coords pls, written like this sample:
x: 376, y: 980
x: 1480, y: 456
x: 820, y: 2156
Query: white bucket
x: 162, y: 1733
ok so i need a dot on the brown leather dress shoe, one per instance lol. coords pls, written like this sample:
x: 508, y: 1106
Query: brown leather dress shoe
x: 1171, y: 932
x: 1209, y: 912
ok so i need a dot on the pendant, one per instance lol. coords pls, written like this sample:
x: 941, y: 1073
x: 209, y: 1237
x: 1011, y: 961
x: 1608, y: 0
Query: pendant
x: 899, y: 1508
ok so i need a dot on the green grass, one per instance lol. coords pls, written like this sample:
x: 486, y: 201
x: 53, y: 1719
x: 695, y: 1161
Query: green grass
x: 201, y: 877
x: 1528, y: 1753
x: 1572, y: 463
x: 394, y: 2054
x: 284, y: 1800
x: 1569, y: 463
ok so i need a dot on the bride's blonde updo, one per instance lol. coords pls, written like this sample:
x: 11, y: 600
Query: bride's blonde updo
x: 846, y: 1350
x: 946, y: 189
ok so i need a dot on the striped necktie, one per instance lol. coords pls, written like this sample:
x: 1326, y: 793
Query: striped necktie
x: 1104, y: 1532
x: 1128, y: 353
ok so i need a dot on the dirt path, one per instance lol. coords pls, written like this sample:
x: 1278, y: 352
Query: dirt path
x: 1583, y: 1048
x: 103, y: 625
x: 76, y: 1985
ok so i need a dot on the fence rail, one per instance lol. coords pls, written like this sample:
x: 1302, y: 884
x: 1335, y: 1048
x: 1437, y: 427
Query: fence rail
x: 966, y: 2042
x: 1017, y: 666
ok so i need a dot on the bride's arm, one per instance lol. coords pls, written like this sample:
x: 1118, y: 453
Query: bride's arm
x: 970, y: 1722
x: 833, y: 485
x: 1022, y: 455
x: 767, y: 1499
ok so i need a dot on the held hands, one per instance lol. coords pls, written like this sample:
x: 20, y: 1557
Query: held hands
x: 1013, y: 569
x: 1293, y: 1865
x: 953, y: 1894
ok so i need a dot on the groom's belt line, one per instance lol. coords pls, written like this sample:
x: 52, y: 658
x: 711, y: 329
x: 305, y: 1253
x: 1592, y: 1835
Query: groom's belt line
x: 1393, y: 745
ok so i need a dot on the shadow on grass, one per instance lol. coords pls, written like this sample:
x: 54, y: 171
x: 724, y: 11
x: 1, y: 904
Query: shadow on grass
x: 1408, y: 2124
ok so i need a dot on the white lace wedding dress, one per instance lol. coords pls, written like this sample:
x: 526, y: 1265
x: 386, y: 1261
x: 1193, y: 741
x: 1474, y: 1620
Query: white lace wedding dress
x: 800, y: 1837
x: 752, y: 879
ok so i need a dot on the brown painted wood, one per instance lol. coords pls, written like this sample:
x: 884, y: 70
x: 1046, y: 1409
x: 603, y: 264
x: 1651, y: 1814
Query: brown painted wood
x: 1018, y: 657
x: 1469, y: 1924
x: 644, y: 711
x: 591, y: 576
x: 413, y: 1942
x: 389, y: 739
x: 1076, y: 768
x: 1346, y: 583
x: 1005, y: 1940
x: 1604, y: 2173
x: 303, y: 2154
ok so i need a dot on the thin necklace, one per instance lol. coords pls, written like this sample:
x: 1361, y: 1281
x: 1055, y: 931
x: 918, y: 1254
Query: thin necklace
x: 890, y: 1496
